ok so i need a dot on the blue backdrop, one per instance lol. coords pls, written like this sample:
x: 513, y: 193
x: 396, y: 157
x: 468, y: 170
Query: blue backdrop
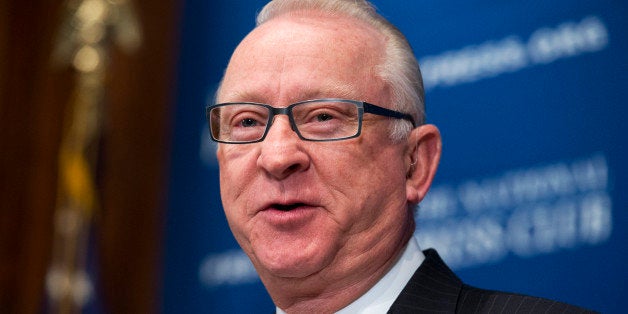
x: 530, y: 195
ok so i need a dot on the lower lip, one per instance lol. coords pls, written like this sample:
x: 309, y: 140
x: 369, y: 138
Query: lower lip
x: 294, y: 218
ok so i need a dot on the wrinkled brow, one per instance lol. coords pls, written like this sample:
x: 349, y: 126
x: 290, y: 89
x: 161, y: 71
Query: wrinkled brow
x: 334, y: 91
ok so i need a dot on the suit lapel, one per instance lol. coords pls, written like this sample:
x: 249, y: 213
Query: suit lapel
x: 432, y: 288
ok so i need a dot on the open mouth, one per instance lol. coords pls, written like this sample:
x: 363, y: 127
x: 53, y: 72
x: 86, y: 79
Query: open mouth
x: 287, y: 207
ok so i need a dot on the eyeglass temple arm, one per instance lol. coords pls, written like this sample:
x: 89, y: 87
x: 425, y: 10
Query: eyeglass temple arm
x: 381, y: 111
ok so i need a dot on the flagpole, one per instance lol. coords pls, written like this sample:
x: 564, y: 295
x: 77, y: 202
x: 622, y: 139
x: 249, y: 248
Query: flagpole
x: 89, y: 29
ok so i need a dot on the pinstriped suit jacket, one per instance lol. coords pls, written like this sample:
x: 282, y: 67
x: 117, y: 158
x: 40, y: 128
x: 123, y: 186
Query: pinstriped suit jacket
x: 434, y: 288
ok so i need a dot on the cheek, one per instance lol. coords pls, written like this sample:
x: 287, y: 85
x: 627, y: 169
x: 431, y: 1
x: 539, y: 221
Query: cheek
x: 364, y: 183
x: 237, y: 168
x: 367, y: 171
x: 232, y: 188
x: 237, y: 172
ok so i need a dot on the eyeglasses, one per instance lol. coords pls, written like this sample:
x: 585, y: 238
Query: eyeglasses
x: 329, y: 119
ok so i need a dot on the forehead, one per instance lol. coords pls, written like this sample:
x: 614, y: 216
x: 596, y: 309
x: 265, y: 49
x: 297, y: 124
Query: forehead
x: 303, y: 56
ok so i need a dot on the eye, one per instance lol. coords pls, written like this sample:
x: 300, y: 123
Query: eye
x: 248, y: 122
x: 248, y: 117
x: 326, y: 114
x: 322, y: 117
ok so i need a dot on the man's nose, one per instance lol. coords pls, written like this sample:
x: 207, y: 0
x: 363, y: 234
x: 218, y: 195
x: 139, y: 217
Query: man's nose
x: 282, y: 152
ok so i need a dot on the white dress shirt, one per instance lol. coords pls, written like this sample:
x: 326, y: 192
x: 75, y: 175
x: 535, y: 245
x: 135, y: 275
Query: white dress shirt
x: 383, y: 294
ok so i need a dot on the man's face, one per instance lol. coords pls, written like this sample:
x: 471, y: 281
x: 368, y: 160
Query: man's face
x: 301, y: 208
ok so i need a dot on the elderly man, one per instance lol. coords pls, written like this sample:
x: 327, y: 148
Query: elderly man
x: 324, y: 155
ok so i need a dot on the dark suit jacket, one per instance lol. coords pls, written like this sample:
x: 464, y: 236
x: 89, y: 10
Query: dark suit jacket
x: 434, y: 288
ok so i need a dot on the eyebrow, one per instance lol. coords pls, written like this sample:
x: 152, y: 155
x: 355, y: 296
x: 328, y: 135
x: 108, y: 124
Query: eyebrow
x: 334, y: 91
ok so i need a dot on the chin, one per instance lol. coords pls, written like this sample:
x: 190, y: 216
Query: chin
x: 293, y: 264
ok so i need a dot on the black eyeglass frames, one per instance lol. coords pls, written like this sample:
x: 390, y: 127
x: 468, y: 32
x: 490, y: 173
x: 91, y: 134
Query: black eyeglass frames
x: 327, y: 119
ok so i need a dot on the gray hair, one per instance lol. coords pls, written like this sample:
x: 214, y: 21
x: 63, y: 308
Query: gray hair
x: 400, y: 68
